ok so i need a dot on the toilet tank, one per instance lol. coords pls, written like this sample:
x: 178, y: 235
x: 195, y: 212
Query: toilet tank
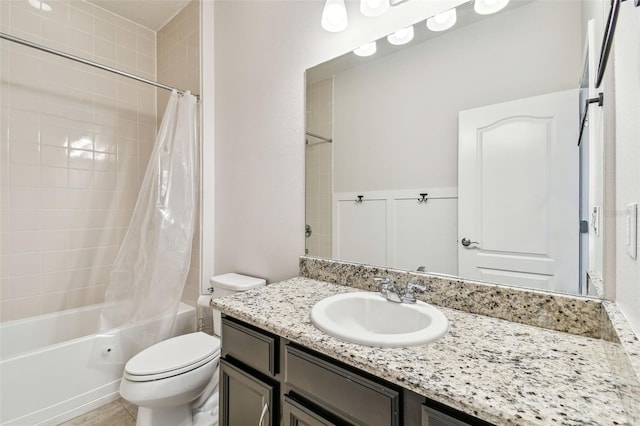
x: 228, y: 284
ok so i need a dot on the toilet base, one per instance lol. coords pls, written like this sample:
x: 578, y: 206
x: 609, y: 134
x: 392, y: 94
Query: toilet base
x: 165, y: 416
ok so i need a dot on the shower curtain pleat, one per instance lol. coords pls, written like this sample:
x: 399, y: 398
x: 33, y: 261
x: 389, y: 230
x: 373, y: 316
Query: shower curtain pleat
x: 151, y: 268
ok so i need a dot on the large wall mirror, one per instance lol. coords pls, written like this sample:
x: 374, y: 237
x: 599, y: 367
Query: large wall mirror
x: 457, y: 153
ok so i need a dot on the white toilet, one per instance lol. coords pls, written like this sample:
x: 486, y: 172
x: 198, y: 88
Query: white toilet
x: 166, y: 379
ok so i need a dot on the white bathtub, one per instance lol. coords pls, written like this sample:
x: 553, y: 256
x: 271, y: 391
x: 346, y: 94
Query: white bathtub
x: 45, y: 372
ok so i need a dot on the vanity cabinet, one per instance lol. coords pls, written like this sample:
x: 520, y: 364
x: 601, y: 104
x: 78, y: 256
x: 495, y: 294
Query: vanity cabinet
x: 432, y: 417
x: 295, y: 413
x: 244, y: 398
x: 345, y: 393
x: 267, y: 380
x: 249, y: 388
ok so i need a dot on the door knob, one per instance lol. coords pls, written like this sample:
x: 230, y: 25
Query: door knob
x: 467, y: 242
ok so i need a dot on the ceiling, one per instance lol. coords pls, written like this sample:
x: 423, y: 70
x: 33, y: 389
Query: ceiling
x: 152, y: 14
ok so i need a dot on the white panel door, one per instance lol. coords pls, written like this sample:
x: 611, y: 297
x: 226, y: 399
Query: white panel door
x: 426, y: 235
x: 361, y: 231
x: 518, y: 192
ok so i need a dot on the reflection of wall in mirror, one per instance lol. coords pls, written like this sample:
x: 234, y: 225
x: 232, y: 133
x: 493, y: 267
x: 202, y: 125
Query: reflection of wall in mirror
x: 318, y: 167
x: 402, y: 110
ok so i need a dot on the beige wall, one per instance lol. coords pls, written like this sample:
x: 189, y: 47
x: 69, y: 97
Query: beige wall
x: 75, y: 142
x: 178, y: 53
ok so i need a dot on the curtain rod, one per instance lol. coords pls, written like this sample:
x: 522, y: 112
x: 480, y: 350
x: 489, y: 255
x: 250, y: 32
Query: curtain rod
x: 319, y: 137
x: 90, y: 63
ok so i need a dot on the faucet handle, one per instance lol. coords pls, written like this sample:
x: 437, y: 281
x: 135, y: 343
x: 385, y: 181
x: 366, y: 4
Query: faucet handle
x: 407, y: 295
x: 413, y: 285
x: 387, y: 288
x: 383, y: 280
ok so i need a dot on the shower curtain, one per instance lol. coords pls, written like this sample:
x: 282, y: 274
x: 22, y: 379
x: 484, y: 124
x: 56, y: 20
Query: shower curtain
x: 150, y: 270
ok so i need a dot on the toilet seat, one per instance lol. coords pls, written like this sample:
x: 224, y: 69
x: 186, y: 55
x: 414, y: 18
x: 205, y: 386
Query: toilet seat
x: 172, y: 357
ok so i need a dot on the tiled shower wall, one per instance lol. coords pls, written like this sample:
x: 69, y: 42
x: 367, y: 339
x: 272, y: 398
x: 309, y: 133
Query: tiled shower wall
x: 75, y: 142
x: 178, y: 53
x: 318, y: 161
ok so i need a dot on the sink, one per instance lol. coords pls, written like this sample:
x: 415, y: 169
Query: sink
x: 369, y: 319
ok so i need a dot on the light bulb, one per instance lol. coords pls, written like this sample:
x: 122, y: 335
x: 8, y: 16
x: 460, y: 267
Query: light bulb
x: 40, y: 5
x: 366, y: 49
x: 402, y: 36
x: 373, y: 7
x: 334, y: 16
x: 487, y: 7
x: 442, y: 21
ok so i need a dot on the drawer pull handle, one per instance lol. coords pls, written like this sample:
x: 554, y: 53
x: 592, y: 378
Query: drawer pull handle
x: 264, y: 411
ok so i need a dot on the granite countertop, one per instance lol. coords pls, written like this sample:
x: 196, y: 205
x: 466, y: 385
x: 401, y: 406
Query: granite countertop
x: 500, y: 371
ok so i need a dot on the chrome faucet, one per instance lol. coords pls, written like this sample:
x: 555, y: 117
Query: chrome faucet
x: 408, y: 295
x: 390, y: 291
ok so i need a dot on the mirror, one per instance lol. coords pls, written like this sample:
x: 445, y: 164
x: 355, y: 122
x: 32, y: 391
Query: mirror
x: 457, y: 153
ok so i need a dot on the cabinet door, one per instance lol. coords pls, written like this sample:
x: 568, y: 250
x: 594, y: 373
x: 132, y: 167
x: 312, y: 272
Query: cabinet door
x: 296, y: 414
x: 245, y: 400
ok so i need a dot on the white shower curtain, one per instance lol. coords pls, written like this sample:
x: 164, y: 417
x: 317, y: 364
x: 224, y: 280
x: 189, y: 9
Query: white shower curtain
x: 150, y: 270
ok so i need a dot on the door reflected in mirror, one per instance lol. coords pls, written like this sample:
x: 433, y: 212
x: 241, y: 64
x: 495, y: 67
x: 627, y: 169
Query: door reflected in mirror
x: 458, y: 152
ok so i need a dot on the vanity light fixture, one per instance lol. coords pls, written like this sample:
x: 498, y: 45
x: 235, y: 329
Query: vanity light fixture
x: 373, y: 7
x: 366, y: 49
x: 334, y: 16
x: 487, y: 7
x: 401, y: 37
x: 442, y: 21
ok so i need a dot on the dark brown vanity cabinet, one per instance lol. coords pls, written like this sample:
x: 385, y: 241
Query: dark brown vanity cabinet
x: 266, y: 380
x: 245, y: 399
x: 432, y: 417
x: 295, y: 413
x: 249, y: 388
x: 348, y: 395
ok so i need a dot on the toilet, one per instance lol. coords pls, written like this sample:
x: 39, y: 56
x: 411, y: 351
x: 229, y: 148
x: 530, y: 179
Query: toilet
x: 169, y: 378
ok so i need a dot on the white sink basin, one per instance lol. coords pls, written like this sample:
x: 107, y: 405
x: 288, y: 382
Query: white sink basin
x: 369, y: 319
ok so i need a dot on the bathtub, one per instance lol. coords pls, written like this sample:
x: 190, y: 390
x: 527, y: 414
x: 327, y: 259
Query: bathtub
x: 46, y: 374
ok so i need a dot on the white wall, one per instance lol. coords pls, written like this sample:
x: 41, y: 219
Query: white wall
x: 396, y: 119
x: 627, y: 105
x: 262, y: 49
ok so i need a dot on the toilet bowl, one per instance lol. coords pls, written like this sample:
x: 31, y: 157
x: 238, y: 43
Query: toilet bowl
x: 166, y: 379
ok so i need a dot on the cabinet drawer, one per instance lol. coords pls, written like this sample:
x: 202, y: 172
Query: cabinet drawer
x: 432, y: 417
x: 296, y: 414
x: 256, y: 349
x: 349, y: 395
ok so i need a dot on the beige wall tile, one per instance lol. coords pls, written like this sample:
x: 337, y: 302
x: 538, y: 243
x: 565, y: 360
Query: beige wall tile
x: 177, y: 68
x: 61, y: 155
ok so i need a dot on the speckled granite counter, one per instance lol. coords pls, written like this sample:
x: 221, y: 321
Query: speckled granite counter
x: 500, y: 371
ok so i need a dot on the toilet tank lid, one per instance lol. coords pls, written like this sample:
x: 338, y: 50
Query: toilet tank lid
x: 236, y: 282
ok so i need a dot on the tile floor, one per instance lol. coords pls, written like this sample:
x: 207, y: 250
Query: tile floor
x: 116, y: 413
